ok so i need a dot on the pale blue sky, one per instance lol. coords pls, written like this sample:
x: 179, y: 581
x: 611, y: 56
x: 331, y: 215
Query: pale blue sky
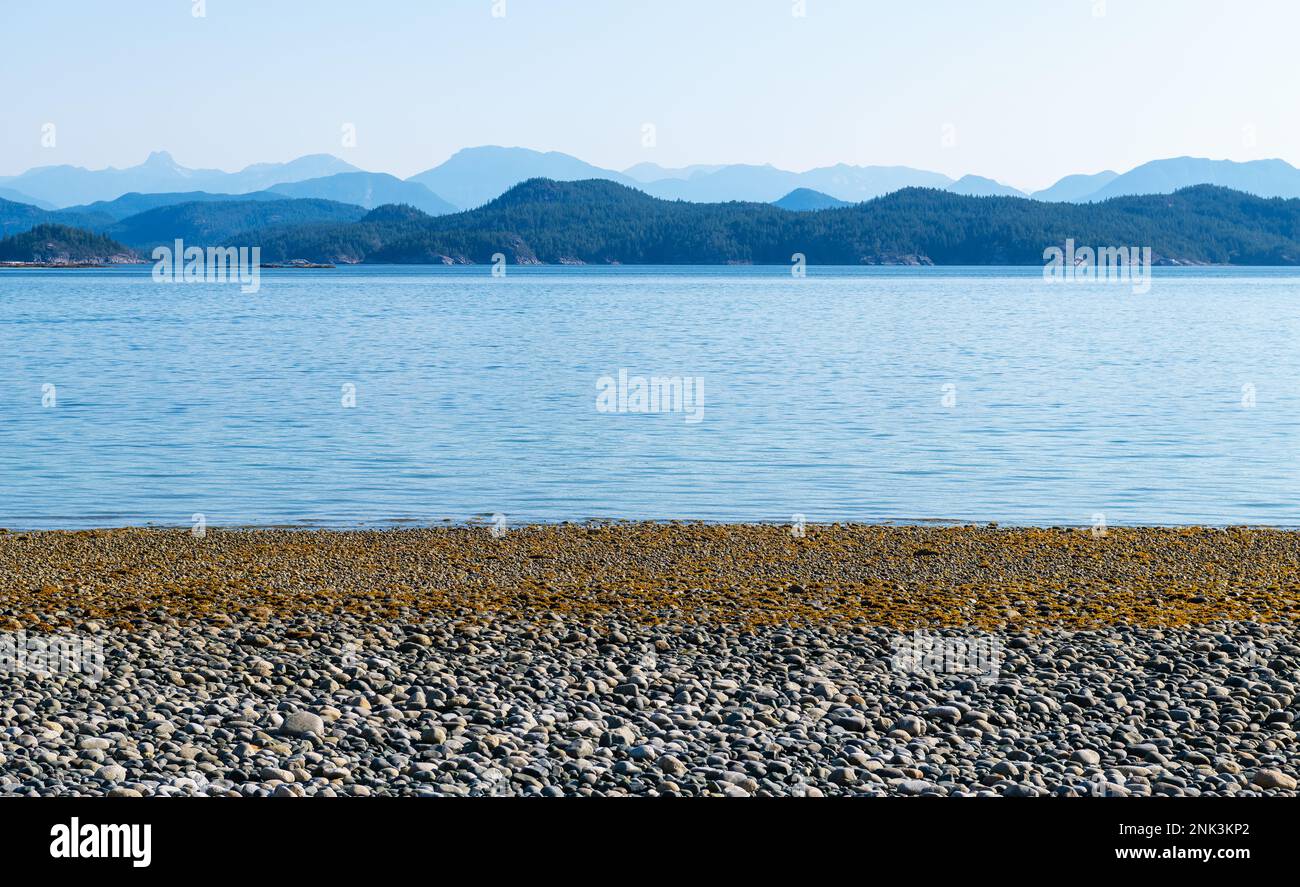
x: 1033, y: 89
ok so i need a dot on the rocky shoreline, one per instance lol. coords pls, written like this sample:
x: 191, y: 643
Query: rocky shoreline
x: 649, y: 659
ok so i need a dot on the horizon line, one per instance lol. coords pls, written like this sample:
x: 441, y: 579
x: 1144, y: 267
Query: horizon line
x: 623, y: 171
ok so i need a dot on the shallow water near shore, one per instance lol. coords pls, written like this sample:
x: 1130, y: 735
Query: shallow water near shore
x: 825, y: 397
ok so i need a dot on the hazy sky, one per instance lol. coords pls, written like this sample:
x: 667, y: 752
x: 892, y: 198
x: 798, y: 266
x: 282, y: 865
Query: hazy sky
x: 1027, y: 90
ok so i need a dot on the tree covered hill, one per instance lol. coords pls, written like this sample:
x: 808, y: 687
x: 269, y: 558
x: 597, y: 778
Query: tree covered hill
x: 60, y: 244
x: 807, y: 200
x: 369, y: 190
x: 598, y: 221
x: 222, y: 222
x: 135, y: 203
x: 16, y: 217
x: 144, y: 220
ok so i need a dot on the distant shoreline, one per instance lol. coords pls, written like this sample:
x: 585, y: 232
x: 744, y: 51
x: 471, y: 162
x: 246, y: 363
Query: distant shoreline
x: 598, y: 222
x: 65, y: 264
x: 631, y: 266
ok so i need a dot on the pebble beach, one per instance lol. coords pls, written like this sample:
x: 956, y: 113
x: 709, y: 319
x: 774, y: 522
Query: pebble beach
x: 651, y: 659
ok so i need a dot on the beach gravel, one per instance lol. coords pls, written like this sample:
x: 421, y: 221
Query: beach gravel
x: 300, y: 664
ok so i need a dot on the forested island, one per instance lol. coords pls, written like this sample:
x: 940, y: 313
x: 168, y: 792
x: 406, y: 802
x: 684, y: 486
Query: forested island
x: 61, y: 245
x: 600, y: 222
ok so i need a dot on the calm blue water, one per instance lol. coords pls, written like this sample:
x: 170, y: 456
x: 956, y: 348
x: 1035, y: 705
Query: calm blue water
x: 476, y: 395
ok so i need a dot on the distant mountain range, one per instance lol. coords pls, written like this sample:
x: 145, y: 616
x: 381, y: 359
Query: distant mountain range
x: 16, y: 218
x: 1079, y: 188
x: 347, y: 215
x: 474, y: 176
x: 978, y: 186
x: 134, y: 203
x: 1265, y: 178
x: 653, y: 172
x: 20, y: 197
x: 143, y: 221
x: 808, y: 200
x: 598, y: 221
x: 368, y: 190
x: 62, y: 186
x: 221, y: 222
